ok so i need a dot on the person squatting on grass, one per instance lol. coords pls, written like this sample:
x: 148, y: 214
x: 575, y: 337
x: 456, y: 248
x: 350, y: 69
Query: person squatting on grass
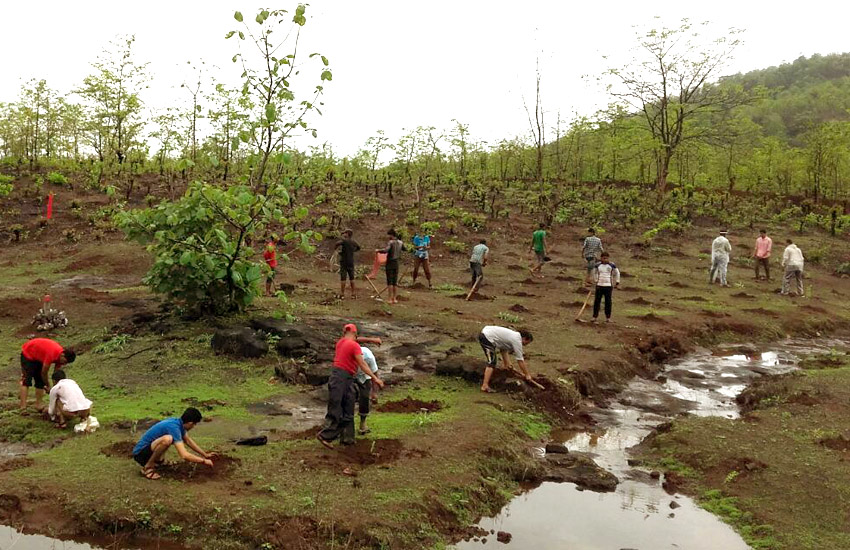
x: 347, y: 247
x: 66, y: 399
x: 36, y: 357
x: 761, y: 253
x: 342, y: 392
x: 393, y: 252
x: 150, y: 449
x: 720, y: 250
x: 590, y: 251
x: 607, y: 278
x: 480, y: 257
x: 421, y: 256
x: 366, y: 391
x: 503, y: 340
x: 538, y: 246
x: 792, y: 261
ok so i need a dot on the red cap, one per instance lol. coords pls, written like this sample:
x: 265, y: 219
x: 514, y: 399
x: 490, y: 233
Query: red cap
x: 350, y: 327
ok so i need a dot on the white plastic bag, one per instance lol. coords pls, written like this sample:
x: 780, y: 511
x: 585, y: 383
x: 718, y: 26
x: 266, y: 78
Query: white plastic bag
x: 88, y: 425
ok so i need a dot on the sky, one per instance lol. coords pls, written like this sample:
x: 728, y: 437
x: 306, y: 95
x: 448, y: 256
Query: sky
x: 399, y: 64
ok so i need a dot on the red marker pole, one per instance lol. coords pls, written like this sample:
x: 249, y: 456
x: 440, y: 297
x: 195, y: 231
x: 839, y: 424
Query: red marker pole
x: 50, y: 206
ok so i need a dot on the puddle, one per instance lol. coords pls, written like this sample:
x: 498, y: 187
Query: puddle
x: 10, y: 539
x: 639, y: 515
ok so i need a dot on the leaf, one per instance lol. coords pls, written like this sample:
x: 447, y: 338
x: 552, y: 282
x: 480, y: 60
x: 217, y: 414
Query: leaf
x: 241, y: 35
x: 228, y: 35
x: 326, y: 75
x: 238, y: 16
x: 325, y: 60
x: 271, y: 112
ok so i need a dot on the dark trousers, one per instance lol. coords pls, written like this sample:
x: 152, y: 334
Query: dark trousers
x: 602, y: 292
x: 364, y: 393
x: 763, y: 262
x: 477, y: 271
x: 339, y: 421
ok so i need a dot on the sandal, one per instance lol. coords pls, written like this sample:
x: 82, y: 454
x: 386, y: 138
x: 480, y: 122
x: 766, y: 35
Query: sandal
x: 150, y: 474
x: 488, y: 390
x: 60, y: 425
x: 364, y: 432
x: 327, y: 444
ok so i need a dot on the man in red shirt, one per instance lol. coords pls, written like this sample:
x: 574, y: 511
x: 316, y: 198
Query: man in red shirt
x: 348, y: 359
x: 270, y: 256
x: 36, y: 357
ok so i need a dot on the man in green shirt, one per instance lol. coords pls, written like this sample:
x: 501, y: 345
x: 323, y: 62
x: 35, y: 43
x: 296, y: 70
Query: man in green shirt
x: 538, y: 246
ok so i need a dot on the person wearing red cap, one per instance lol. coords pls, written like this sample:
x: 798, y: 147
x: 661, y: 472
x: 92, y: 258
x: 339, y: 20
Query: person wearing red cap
x: 342, y: 395
x: 36, y: 357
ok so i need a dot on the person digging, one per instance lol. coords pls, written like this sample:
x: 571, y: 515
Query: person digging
x: 505, y: 341
x: 342, y: 392
x: 37, y: 356
x: 150, y: 449
x: 67, y: 400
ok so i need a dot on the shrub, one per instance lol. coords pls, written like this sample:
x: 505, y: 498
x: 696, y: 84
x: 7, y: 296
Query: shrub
x: 6, y: 189
x: 843, y: 269
x: 455, y: 247
x: 430, y: 228
x: 57, y: 179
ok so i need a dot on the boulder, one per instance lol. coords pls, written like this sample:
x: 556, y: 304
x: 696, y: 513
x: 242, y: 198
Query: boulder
x: 461, y: 366
x: 239, y: 342
x: 578, y: 469
x: 277, y: 327
x: 316, y: 374
x: 556, y: 448
x: 296, y: 347
x: 395, y: 378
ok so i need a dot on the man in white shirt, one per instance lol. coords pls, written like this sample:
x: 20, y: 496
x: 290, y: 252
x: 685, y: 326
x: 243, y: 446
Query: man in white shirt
x: 365, y: 389
x: 720, y: 250
x: 67, y: 399
x: 792, y: 261
x: 607, y: 277
x: 503, y: 340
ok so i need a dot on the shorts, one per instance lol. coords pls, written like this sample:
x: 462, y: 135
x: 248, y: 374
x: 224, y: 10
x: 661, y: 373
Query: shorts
x: 31, y: 372
x: 143, y: 456
x: 271, y: 274
x: 346, y: 271
x: 489, y: 349
x: 592, y: 263
x: 541, y: 256
x: 392, y: 272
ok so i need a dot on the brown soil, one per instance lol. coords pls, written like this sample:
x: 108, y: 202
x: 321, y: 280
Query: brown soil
x: 694, y: 299
x: 380, y: 313
x: 19, y: 308
x: 574, y: 303
x: 521, y: 294
x: 410, y: 405
x: 529, y: 281
x: 716, y: 314
x: 121, y: 449
x: 743, y: 295
x: 87, y: 263
x: 15, y: 464
x: 651, y: 317
x: 567, y: 278
x: 309, y: 433
x: 477, y: 296
x: 840, y: 443
x: 640, y: 300
x: 677, y: 284
x: 519, y: 308
x: 517, y: 268
x: 814, y: 309
x: 364, y: 452
x: 761, y: 311
x: 182, y: 470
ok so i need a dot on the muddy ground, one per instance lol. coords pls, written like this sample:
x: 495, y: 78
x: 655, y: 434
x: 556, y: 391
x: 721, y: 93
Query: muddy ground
x: 421, y: 476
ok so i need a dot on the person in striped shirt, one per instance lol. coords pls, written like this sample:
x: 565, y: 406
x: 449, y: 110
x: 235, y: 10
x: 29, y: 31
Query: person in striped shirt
x: 590, y: 251
x: 607, y: 279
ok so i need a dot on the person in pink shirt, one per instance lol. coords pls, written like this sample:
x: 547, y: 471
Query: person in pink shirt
x: 761, y: 254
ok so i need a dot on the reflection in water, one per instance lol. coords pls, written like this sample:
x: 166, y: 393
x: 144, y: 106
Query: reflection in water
x: 638, y: 514
x: 11, y: 539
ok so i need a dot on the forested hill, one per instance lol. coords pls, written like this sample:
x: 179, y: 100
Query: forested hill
x: 800, y: 95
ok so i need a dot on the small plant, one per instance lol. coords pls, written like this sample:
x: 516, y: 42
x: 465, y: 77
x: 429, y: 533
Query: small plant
x: 448, y: 287
x: 70, y: 235
x: 144, y: 518
x: 150, y: 200
x: 116, y: 343
x: 272, y: 339
x: 57, y: 179
x: 509, y: 317
x: 18, y: 233
x: 6, y: 186
x: 76, y: 205
x: 422, y: 419
x: 288, y: 308
x: 174, y: 529
x: 429, y: 228
x: 731, y: 476
x: 843, y: 269
x: 455, y: 247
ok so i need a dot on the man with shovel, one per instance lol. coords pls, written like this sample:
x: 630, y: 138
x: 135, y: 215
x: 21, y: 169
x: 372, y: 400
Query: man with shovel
x: 504, y: 340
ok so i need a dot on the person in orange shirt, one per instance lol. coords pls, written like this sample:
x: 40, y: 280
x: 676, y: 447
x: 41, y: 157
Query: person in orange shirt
x: 270, y: 256
x: 764, y: 244
x: 36, y: 357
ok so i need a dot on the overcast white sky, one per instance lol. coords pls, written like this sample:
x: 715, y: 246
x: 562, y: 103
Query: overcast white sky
x: 404, y: 63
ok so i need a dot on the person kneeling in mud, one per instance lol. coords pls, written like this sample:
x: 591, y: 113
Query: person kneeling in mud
x: 503, y: 340
x: 150, y: 449
x: 67, y: 399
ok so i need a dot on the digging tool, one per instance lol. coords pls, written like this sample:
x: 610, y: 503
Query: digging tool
x: 474, y: 288
x: 529, y: 380
x: 584, y: 305
x: 377, y: 294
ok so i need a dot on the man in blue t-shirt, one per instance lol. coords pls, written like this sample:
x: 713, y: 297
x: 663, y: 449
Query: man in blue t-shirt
x: 151, y: 447
x: 421, y: 256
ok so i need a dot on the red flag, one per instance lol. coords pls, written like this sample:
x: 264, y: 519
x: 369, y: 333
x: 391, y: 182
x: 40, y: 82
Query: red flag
x: 50, y: 206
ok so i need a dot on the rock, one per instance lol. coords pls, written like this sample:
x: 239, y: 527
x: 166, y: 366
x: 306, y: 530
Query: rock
x: 556, y: 448
x: 659, y: 354
x: 504, y: 537
x: 316, y: 374
x: 461, y: 366
x: 241, y: 342
x: 278, y: 327
x: 674, y: 505
x: 395, y: 378
x: 424, y: 364
x: 398, y: 369
x: 578, y: 469
x: 294, y: 346
x: 655, y: 474
x: 287, y: 288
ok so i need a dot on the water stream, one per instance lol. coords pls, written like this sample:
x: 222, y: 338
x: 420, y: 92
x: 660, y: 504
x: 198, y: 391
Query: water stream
x: 640, y: 514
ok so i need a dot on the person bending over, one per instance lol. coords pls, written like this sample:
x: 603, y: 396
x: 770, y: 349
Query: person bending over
x: 503, y: 340
x: 67, y: 399
x: 150, y: 449
x: 36, y: 357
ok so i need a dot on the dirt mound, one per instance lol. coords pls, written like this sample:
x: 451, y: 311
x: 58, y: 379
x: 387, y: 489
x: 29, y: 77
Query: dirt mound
x: 677, y: 284
x: 379, y: 313
x: 640, y: 300
x: 528, y: 281
x: 18, y: 308
x: 761, y: 311
x: 296, y: 532
x: 813, y: 309
x: 121, y: 449
x: 588, y: 346
x: 407, y: 349
x: 661, y: 347
x: 839, y: 443
x: 16, y: 463
x: 10, y: 508
x: 87, y: 263
x: 305, y: 281
x: 417, y: 286
x: 364, y: 452
x: 557, y: 399
x: 567, y: 278
x: 477, y: 296
x: 650, y: 317
x: 516, y: 268
x: 223, y: 466
x: 521, y: 294
x: 410, y: 405
x: 519, y: 308
x: 309, y: 433
x: 694, y: 299
x: 711, y: 313
x: 743, y: 295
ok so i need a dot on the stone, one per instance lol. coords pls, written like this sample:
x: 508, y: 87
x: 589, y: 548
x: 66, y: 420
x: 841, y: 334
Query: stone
x: 240, y: 342
x: 556, y: 448
x: 294, y: 346
x: 278, y: 327
x: 674, y: 505
x: 504, y: 537
x: 316, y: 374
x: 578, y: 469
x: 398, y: 369
x: 287, y: 288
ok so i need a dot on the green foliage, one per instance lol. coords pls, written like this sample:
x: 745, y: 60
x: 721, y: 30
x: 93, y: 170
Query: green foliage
x: 671, y: 224
x: 6, y: 185
x: 116, y: 343
x: 455, y: 247
x: 509, y: 317
x: 57, y: 179
x: 429, y: 228
x: 198, y: 242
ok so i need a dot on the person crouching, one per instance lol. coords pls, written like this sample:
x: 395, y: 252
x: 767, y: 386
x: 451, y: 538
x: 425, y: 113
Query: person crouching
x: 67, y: 399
